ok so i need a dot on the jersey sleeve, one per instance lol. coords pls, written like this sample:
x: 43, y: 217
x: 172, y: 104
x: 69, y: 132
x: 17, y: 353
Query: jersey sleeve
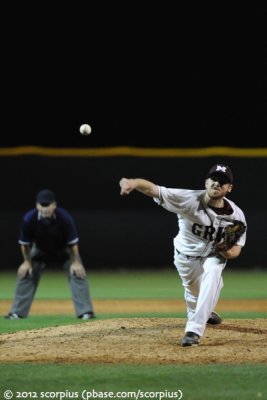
x: 71, y: 230
x: 178, y: 201
x: 25, y: 234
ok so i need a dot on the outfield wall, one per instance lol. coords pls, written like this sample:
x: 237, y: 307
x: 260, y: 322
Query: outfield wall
x: 132, y: 231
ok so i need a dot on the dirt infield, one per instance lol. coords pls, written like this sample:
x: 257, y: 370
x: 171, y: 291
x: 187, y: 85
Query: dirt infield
x: 138, y: 340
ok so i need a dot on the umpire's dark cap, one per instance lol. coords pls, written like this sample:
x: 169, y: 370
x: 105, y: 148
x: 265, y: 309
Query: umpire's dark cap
x: 45, y: 196
x: 223, y: 170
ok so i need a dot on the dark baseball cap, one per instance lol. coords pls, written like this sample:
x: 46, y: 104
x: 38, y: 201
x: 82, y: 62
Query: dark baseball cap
x: 222, y: 170
x: 45, y: 196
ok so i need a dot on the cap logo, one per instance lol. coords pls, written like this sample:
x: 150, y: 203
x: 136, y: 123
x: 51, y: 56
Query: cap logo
x: 221, y: 168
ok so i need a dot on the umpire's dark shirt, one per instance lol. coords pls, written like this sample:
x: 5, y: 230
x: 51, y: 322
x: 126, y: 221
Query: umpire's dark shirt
x: 50, y: 235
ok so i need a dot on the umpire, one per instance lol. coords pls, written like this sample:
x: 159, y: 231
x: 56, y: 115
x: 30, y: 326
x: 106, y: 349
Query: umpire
x: 48, y: 236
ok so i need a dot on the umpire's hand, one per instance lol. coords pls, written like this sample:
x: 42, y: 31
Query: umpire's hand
x: 24, y: 269
x: 78, y: 269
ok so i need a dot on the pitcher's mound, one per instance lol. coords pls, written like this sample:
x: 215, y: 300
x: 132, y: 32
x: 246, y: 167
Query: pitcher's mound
x: 138, y: 341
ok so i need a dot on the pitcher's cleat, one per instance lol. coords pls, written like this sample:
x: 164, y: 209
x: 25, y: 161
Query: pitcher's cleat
x: 190, y: 339
x: 214, y: 319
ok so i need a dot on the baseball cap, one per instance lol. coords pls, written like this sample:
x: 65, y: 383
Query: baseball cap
x: 223, y: 170
x: 45, y: 196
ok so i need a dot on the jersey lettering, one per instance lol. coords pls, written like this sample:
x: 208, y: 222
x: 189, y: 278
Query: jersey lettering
x: 207, y: 232
x: 219, y: 234
x: 196, y: 229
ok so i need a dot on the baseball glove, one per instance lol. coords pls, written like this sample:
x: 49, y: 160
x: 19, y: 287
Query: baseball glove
x: 231, y: 235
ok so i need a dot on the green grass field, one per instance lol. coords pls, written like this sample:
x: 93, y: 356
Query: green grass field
x: 163, y: 284
x: 91, y: 381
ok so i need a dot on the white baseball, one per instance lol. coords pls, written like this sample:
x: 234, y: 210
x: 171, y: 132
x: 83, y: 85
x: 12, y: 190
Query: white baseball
x: 85, y: 129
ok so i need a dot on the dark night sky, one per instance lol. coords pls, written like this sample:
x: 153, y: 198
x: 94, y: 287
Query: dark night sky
x: 191, y: 77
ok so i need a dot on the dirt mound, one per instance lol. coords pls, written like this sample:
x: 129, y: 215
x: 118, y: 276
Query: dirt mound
x: 138, y: 341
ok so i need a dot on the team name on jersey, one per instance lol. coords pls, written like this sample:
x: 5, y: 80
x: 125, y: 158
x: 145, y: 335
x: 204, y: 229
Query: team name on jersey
x: 208, y: 232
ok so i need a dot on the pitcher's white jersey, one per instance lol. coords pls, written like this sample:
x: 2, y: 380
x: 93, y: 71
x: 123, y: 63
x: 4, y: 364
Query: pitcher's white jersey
x: 200, y: 228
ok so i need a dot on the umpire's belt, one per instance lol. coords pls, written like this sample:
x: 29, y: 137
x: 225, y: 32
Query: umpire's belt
x: 189, y: 257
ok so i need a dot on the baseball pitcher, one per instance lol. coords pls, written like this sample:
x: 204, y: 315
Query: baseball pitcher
x: 211, y: 230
